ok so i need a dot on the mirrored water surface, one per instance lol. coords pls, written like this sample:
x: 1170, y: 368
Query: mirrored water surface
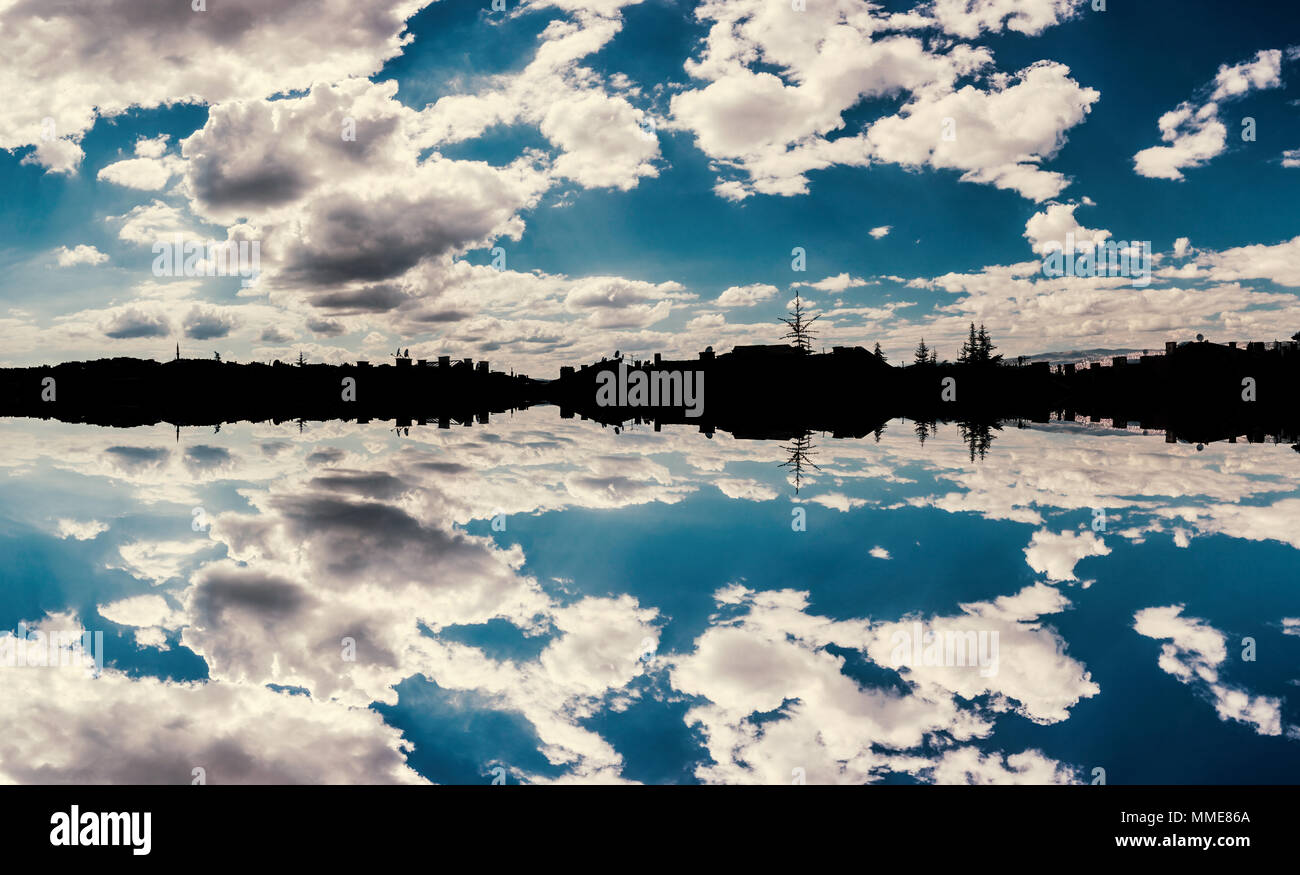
x: 539, y: 600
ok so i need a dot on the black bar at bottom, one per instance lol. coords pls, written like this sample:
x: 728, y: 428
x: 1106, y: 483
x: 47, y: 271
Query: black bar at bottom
x: 645, y: 824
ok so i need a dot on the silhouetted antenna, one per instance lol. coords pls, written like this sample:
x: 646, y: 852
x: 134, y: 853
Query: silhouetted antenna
x: 801, y: 453
x: 799, y: 333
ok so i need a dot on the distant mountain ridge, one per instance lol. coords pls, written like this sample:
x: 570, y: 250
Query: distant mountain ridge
x: 1082, y: 355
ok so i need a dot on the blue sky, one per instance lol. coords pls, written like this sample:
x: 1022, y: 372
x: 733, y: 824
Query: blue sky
x: 646, y: 170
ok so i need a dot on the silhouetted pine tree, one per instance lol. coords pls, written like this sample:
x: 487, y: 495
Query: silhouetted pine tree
x: 978, y: 437
x: 801, y: 453
x: 799, y: 334
x: 922, y: 356
x: 880, y: 353
x: 970, y: 349
x: 985, y: 347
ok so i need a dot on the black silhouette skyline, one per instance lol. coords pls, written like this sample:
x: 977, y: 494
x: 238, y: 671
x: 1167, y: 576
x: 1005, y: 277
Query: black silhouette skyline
x: 1195, y: 391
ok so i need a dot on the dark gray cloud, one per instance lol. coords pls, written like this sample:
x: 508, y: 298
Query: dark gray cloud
x: 138, y: 458
x: 133, y: 323
x: 349, y: 541
x: 203, y: 459
x: 444, y: 467
x: 205, y: 325
x: 264, y: 185
x: 274, y: 335
x: 274, y: 448
x: 325, y: 456
x: 442, y: 316
x: 371, y: 299
x: 327, y: 327
x: 363, y: 483
x: 227, y: 594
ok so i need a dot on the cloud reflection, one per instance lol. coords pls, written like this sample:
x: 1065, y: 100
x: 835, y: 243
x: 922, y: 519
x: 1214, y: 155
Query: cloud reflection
x: 350, y: 534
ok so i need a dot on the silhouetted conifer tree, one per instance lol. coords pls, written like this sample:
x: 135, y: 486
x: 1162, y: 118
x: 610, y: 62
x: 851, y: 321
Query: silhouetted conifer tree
x: 799, y: 334
x: 922, y: 431
x: 985, y: 347
x: 801, y: 453
x: 969, y: 349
